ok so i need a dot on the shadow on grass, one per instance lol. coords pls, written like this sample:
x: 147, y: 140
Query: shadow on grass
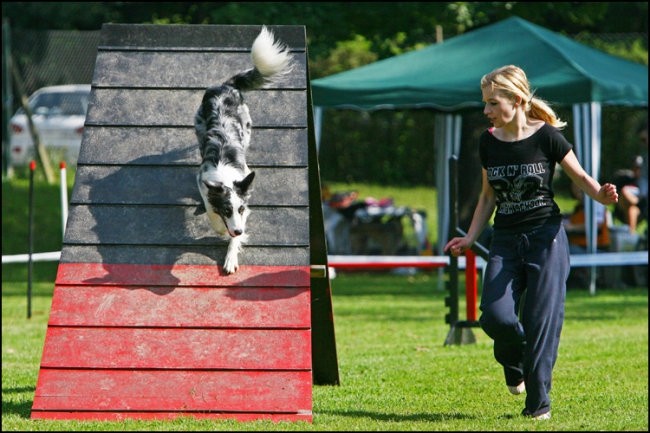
x: 415, y: 417
x: 607, y: 305
x: 42, y: 272
x: 385, y: 283
x: 19, y: 289
x: 23, y: 408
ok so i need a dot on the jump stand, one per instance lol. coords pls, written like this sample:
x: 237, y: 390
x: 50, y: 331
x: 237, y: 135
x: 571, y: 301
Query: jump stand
x: 460, y: 332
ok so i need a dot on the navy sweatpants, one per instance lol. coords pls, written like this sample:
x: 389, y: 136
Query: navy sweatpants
x: 522, y: 307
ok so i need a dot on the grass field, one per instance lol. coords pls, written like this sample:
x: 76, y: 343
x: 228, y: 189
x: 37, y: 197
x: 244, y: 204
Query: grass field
x: 395, y: 372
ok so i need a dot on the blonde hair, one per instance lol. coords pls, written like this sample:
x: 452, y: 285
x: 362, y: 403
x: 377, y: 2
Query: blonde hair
x: 512, y: 81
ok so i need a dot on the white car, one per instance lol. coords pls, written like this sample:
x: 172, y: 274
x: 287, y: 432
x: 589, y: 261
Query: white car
x: 58, y: 113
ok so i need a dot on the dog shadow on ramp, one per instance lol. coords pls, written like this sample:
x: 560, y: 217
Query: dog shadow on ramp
x: 144, y: 212
x: 182, y: 296
x: 140, y: 213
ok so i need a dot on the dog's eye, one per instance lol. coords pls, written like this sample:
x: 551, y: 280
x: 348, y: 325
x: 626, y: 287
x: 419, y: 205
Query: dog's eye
x: 241, y: 210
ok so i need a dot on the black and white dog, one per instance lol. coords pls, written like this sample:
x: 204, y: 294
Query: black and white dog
x: 223, y: 128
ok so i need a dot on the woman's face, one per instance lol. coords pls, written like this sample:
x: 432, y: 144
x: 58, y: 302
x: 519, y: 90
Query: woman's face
x: 499, y: 109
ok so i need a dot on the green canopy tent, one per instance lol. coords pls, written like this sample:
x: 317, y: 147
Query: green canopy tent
x: 445, y: 77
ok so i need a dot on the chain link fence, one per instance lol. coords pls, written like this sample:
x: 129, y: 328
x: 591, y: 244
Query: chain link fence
x: 33, y: 59
x: 53, y: 57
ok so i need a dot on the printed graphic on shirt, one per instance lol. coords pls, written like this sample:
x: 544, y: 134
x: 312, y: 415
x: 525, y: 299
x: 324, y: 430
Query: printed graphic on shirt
x: 517, y: 187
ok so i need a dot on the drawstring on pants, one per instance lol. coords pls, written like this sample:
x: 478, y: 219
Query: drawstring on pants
x: 522, y: 244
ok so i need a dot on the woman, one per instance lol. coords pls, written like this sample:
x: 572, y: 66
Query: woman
x: 529, y: 249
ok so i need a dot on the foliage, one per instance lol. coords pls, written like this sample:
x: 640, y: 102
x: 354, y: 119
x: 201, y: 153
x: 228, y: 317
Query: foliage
x: 396, y: 147
x: 395, y: 372
x: 346, y: 55
x: 386, y: 147
x: 331, y: 22
x: 635, y: 50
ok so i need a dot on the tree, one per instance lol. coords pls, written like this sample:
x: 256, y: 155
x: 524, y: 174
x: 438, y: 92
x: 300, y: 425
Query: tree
x: 345, y: 35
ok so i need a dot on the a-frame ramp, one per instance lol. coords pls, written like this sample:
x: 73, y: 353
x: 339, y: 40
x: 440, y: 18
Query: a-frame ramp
x: 143, y: 322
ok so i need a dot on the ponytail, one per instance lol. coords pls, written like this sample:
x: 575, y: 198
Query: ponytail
x: 539, y: 109
x: 512, y: 81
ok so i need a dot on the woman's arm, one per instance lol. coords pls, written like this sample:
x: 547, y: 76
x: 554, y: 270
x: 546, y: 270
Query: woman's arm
x: 482, y: 213
x: 605, y: 194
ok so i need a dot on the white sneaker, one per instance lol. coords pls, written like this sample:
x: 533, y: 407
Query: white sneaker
x: 540, y: 417
x: 543, y: 416
x: 519, y: 389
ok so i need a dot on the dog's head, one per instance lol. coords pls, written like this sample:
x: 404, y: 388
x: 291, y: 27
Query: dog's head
x: 231, y: 204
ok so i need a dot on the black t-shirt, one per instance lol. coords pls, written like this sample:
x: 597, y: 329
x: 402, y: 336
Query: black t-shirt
x: 521, y: 173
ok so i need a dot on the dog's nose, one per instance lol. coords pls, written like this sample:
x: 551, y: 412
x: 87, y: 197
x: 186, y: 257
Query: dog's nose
x: 238, y: 232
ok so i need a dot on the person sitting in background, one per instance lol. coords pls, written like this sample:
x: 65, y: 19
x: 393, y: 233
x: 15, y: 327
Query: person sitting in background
x: 632, y: 207
x: 574, y: 224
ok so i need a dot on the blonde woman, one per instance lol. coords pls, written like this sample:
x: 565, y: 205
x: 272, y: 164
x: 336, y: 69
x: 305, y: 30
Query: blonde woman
x: 529, y: 251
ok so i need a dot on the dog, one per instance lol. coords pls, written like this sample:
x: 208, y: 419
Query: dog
x: 223, y: 128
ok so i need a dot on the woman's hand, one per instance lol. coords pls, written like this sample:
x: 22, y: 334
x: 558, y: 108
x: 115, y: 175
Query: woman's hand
x: 457, y: 246
x: 608, y: 194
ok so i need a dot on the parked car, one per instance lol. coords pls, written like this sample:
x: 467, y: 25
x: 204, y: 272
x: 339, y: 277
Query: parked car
x: 59, y: 113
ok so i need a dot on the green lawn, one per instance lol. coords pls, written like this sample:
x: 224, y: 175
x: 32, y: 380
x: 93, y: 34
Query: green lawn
x: 395, y: 372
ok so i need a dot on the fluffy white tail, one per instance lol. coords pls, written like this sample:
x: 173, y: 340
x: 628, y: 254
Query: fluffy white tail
x: 270, y: 57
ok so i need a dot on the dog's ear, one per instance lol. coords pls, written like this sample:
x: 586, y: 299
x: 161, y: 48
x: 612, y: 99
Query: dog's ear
x: 214, y: 187
x: 243, y: 186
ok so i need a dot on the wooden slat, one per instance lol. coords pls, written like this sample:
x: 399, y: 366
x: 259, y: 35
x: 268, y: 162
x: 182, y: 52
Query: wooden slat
x: 128, y: 145
x: 96, y: 415
x: 180, y: 275
x: 176, y: 185
x: 268, y: 255
x: 192, y: 69
x: 195, y: 36
x: 180, y: 307
x: 167, y: 390
x: 165, y: 225
x: 149, y: 348
x: 167, y: 107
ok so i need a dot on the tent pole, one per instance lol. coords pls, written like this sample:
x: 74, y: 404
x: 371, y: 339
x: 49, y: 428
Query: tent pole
x: 586, y: 127
x: 318, y: 125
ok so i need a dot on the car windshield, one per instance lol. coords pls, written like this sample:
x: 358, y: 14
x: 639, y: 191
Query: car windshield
x: 60, y: 103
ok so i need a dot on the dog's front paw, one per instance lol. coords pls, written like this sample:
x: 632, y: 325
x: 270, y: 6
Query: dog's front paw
x: 231, y: 264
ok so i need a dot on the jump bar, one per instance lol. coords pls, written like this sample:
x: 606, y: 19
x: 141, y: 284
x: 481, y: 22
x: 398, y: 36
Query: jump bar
x: 344, y: 262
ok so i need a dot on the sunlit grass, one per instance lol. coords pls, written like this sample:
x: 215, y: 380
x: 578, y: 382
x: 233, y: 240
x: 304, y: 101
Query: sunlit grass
x: 395, y: 371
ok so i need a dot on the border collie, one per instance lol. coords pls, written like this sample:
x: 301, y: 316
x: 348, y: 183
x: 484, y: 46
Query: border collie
x: 223, y: 128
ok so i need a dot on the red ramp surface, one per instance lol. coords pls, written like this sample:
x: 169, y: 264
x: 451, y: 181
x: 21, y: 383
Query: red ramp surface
x: 158, y: 341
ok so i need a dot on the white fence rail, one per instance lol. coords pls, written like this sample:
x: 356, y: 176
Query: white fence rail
x: 335, y: 261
